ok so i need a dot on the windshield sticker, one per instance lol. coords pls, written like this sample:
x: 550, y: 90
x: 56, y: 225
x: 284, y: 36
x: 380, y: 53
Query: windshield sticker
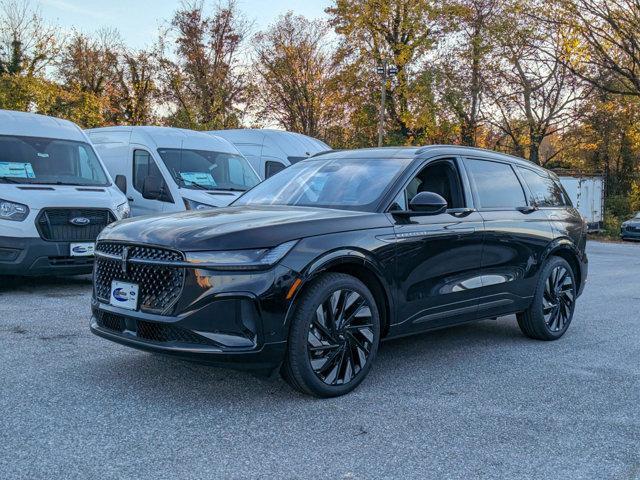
x: 16, y: 170
x: 198, y: 178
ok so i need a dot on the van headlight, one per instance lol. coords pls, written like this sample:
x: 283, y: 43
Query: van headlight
x: 123, y: 210
x: 13, y: 211
x: 254, y: 259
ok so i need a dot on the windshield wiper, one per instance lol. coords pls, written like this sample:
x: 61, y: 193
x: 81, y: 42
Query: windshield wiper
x: 229, y: 189
x: 12, y: 180
x: 58, y: 182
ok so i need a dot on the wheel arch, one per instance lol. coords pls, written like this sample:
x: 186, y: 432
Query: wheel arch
x: 565, y: 248
x: 357, y: 264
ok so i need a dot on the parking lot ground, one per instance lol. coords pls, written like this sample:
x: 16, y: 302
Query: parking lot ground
x: 475, y: 401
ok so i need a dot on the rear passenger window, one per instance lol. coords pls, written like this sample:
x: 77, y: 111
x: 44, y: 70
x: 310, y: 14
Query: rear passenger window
x: 545, y: 192
x: 496, y: 184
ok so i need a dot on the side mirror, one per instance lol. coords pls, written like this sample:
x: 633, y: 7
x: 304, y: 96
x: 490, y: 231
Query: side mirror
x: 428, y: 203
x: 153, y: 188
x: 121, y: 183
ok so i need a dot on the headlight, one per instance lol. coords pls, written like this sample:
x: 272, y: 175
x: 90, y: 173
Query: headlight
x: 124, y: 210
x: 193, y: 205
x: 13, y: 211
x: 241, y: 259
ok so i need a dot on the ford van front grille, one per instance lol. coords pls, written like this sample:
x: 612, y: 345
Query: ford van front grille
x: 159, y: 285
x: 72, y: 224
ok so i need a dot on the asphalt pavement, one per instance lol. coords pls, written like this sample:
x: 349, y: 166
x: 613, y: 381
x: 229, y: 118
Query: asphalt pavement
x: 475, y: 401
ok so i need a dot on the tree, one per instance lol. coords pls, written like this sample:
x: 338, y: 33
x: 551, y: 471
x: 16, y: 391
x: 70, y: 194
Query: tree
x: 534, y: 94
x: 602, y: 42
x: 294, y: 71
x: 199, y: 57
x: 132, y: 99
x: 464, y: 64
x: 401, y: 31
x: 89, y: 64
x: 28, y: 45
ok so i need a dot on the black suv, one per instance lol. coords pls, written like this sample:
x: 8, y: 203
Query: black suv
x: 311, y: 269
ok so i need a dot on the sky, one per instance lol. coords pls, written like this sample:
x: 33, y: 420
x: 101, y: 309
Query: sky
x: 140, y: 20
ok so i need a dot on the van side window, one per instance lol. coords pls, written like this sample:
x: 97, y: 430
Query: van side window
x: 271, y: 168
x: 143, y: 166
x: 496, y: 184
x: 544, y: 191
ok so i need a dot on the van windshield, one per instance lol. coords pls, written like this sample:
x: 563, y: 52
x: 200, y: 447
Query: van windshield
x: 206, y: 170
x: 49, y: 161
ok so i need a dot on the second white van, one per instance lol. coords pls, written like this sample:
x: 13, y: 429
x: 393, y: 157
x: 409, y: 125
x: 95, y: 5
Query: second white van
x: 164, y: 169
x: 271, y: 151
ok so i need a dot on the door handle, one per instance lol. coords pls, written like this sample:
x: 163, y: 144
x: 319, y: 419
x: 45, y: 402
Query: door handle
x: 130, y: 199
x: 460, y: 212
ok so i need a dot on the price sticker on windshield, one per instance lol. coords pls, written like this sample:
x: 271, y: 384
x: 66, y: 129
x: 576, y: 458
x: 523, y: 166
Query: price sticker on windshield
x: 16, y: 170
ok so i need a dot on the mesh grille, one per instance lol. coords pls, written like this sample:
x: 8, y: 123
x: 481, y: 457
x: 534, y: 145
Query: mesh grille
x: 159, y: 286
x: 111, y: 322
x: 54, y: 224
x: 152, y: 331
x: 159, y: 332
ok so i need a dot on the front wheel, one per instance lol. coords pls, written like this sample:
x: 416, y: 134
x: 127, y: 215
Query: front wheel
x: 551, y: 310
x: 334, y: 336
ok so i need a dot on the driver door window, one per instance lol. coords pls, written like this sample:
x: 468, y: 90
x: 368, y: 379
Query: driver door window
x: 439, y: 177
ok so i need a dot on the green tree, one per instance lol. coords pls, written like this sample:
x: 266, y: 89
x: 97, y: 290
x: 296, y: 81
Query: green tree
x: 402, y: 32
x: 28, y: 45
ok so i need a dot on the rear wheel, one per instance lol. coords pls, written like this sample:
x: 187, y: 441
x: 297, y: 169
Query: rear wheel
x: 334, y: 336
x: 552, y: 307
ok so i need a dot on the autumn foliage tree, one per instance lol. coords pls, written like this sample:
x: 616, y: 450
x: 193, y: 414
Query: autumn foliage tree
x: 294, y: 71
x: 200, y: 66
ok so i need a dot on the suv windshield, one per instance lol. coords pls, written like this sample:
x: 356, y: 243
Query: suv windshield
x: 202, y: 169
x: 49, y: 161
x: 346, y: 183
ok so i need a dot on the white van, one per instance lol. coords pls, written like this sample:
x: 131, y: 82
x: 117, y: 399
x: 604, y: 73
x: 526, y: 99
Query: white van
x: 271, y: 151
x: 172, y: 169
x: 55, y: 196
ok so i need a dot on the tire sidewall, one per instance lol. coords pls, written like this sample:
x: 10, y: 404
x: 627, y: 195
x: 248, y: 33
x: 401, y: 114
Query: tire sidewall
x: 317, y: 293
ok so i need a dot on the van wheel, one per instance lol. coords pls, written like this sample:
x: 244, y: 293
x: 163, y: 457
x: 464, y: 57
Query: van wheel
x: 334, y: 336
x: 552, y: 307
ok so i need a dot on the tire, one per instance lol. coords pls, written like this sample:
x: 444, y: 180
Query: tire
x: 551, y: 310
x: 334, y: 336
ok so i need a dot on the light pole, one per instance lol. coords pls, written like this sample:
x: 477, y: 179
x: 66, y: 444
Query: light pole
x: 385, y: 71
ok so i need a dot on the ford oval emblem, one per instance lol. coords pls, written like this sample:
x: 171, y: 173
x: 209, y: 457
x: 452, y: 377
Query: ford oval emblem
x: 80, y: 221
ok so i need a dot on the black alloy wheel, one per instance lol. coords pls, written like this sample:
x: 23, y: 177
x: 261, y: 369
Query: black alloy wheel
x: 558, y: 299
x: 334, y: 336
x: 340, y: 337
x: 552, y: 307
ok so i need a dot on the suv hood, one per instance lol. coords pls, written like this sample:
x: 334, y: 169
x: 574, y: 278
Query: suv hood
x: 237, y: 228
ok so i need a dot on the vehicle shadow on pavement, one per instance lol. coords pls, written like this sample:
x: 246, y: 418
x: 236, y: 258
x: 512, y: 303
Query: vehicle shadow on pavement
x: 27, y: 284
x: 434, y: 354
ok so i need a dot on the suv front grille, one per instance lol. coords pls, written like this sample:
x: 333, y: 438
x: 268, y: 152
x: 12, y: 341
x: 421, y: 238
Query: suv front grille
x: 151, y: 331
x: 159, y: 285
x: 54, y: 224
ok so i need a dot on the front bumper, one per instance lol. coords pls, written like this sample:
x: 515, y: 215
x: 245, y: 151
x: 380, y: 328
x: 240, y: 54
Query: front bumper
x: 630, y: 234
x: 34, y: 256
x: 231, y: 319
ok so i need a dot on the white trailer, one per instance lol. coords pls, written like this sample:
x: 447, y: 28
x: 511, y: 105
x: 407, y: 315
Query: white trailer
x: 587, y: 195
